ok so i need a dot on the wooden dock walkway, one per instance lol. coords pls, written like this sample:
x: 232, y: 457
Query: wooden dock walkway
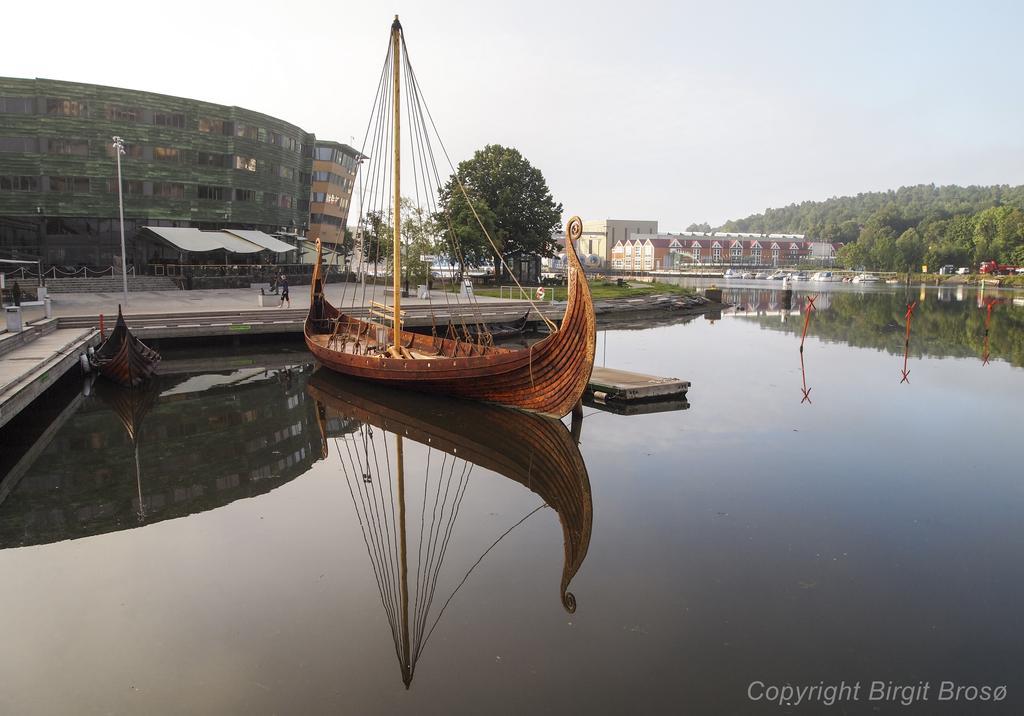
x: 29, y: 369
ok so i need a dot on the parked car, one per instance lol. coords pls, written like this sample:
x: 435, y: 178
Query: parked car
x: 962, y: 271
x: 947, y: 270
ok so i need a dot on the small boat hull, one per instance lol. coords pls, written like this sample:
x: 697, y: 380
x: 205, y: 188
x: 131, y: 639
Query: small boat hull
x: 123, y: 358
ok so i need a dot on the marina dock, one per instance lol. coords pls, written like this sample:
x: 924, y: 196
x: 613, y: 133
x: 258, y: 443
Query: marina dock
x: 33, y: 360
x: 232, y: 322
x: 29, y: 367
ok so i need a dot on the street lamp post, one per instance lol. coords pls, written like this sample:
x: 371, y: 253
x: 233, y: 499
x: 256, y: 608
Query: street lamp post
x: 118, y: 151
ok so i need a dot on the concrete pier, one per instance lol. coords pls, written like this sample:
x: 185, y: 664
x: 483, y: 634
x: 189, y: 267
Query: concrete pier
x: 29, y: 369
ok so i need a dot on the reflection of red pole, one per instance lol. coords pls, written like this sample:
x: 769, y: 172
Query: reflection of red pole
x: 103, y: 334
x: 906, y: 344
x: 803, y: 373
x: 990, y: 304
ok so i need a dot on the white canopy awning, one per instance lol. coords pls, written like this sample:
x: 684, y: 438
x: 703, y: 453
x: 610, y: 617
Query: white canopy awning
x: 267, y: 241
x: 235, y: 241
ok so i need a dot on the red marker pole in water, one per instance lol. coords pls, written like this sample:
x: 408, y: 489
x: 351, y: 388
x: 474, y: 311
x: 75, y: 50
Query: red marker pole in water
x: 906, y: 344
x: 803, y: 336
x: 807, y: 319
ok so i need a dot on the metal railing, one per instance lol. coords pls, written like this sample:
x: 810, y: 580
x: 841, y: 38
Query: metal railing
x: 524, y: 293
x: 68, y: 272
x: 196, y: 270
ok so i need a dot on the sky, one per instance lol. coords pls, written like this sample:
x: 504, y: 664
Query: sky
x: 674, y: 111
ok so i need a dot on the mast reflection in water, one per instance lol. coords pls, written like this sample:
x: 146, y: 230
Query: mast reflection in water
x: 189, y: 444
x: 369, y: 425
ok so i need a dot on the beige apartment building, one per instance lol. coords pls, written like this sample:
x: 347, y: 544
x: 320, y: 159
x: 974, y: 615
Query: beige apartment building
x: 600, y: 235
x: 334, y: 177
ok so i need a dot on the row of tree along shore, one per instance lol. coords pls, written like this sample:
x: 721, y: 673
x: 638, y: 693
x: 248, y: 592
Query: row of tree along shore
x: 912, y: 226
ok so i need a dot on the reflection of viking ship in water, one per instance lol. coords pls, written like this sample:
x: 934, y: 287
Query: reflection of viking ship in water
x: 537, y: 452
x: 130, y: 405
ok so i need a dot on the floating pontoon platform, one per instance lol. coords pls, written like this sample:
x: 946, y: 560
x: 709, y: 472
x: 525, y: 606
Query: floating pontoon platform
x: 611, y: 385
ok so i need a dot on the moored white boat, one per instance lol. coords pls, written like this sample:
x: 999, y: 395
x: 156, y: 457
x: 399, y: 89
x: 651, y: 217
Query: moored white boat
x: 866, y: 278
x: 823, y: 276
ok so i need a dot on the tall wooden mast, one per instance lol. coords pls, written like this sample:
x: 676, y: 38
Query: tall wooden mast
x: 396, y: 50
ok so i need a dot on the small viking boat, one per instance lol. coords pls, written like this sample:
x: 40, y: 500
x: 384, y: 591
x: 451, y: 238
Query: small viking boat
x: 547, y: 377
x: 123, y: 358
x: 539, y: 453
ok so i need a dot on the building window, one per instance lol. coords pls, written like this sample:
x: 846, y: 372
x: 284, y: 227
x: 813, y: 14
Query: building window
x: 716, y: 253
x: 284, y: 141
x: 211, y: 192
x: 19, y: 144
x: 19, y: 183
x: 245, y: 195
x: 17, y: 105
x: 169, y: 190
x: 285, y: 201
x: 757, y: 254
x: 246, y: 132
x: 74, y: 147
x: 323, y: 154
x: 69, y: 185
x: 325, y: 219
x: 122, y: 114
x: 167, y: 119
x: 211, y: 159
x: 286, y: 172
x: 214, y: 126
x: 131, y: 187
x: 736, y: 252
x: 66, y: 107
x: 269, y: 199
x: 245, y: 163
x: 167, y: 154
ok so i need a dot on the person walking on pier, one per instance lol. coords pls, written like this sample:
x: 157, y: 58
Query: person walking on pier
x: 283, y: 284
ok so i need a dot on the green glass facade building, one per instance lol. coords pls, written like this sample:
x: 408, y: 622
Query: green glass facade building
x: 187, y: 164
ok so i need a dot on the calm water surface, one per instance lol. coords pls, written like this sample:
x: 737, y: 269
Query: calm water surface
x: 244, y: 552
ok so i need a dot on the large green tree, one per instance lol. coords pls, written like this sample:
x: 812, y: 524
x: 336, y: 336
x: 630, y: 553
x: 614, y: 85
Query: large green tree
x: 512, y: 200
x: 419, y: 238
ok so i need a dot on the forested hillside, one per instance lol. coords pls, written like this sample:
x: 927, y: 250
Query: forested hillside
x: 913, y: 225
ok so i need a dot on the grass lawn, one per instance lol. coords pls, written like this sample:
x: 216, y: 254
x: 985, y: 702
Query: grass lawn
x: 600, y: 290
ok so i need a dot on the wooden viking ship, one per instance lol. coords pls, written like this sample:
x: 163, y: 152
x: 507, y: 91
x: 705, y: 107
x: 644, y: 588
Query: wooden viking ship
x: 537, y: 452
x: 123, y: 358
x: 547, y: 377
